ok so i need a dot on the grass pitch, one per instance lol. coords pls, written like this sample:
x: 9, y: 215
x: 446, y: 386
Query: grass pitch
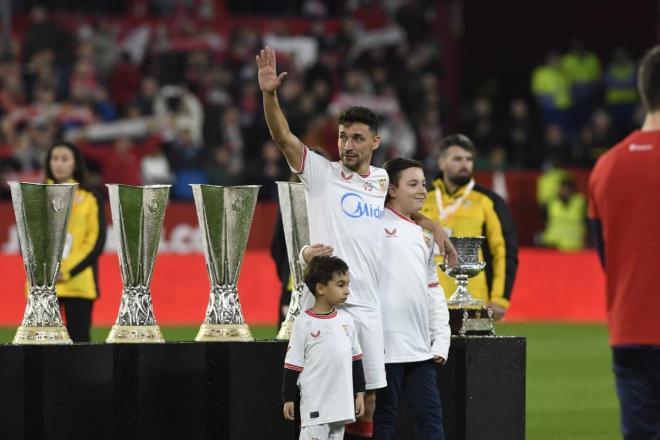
x: 570, y: 384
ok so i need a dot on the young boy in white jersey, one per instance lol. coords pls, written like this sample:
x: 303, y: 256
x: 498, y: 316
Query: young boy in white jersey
x: 345, y: 202
x: 324, y: 357
x: 415, y: 316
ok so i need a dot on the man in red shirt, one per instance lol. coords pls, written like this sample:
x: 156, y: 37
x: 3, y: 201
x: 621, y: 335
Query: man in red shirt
x: 624, y: 208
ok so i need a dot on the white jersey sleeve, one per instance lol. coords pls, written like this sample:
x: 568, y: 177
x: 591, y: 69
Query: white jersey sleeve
x: 356, y: 349
x: 438, y: 313
x: 295, y: 354
x: 315, y: 168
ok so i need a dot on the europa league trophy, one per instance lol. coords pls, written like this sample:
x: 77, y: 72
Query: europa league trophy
x: 42, y: 214
x: 137, y: 217
x: 296, y: 234
x: 225, y: 215
x: 467, y: 315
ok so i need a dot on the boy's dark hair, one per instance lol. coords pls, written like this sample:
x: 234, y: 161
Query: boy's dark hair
x: 322, y: 270
x: 359, y: 114
x: 648, y: 80
x: 397, y: 165
x: 459, y: 140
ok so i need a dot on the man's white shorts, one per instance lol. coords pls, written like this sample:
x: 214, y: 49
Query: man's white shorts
x: 369, y: 328
x: 324, y: 431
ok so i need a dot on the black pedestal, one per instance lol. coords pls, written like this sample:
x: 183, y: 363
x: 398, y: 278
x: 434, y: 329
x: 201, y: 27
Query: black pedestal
x: 222, y: 391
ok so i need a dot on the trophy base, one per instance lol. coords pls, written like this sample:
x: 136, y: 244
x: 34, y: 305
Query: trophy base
x: 134, y: 334
x: 224, y: 333
x: 42, y: 336
x: 465, y: 321
x: 285, y: 331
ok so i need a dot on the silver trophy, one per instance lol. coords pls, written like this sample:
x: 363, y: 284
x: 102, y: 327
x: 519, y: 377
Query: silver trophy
x: 467, y: 315
x: 42, y: 215
x: 293, y: 207
x: 137, y: 217
x: 225, y: 215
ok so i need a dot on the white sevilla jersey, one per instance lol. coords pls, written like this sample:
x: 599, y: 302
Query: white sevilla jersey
x: 322, y: 348
x: 345, y: 211
x: 415, y: 315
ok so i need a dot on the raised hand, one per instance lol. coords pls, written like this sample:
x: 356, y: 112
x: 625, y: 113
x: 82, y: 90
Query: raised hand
x: 269, y: 81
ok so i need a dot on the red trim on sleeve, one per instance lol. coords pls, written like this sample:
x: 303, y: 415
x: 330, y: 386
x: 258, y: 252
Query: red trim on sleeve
x: 302, y: 166
x: 398, y: 214
x: 434, y: 285
x: 357, y: 357
x: 293, y: 367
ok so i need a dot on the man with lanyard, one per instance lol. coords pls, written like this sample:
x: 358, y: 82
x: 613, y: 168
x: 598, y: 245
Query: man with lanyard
x: 345, y: 202
x: 466, y: 209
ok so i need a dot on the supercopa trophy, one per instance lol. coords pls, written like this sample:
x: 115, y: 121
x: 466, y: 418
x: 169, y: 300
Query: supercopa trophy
x: 137, y: 217
x: 225, y: 215
x: 467, y: 315
x: 296, y: 234
x: 42, y: 215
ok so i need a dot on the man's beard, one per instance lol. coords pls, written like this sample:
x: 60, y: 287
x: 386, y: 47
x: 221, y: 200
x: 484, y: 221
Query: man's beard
x: 461, y: 180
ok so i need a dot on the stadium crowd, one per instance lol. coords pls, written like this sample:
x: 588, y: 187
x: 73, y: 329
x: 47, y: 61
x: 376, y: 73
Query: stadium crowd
x: 155, y: 92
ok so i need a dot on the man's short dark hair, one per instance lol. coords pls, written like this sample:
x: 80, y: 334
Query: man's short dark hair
x: 322, y: 269
x: 397, y: 165
x: 648, y: 80
x: 459, y: 140
x: 359, y: 114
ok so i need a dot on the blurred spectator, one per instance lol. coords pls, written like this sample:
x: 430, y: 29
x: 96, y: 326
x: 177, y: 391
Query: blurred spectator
x: 521, y: 135
x: 120, y: 162
x: 270, y: 168
x: 552, y: 90
x: 146, y: 97
x: 566, y: 218
x: 595, y: 139
x: 124, y: 81
x: 221, y: 169
x: 45, y: 34
x: 554, y: 147
x: 621, y: 88
x: 583, y: 70
x: 187, y: 159
x: 181, y: 106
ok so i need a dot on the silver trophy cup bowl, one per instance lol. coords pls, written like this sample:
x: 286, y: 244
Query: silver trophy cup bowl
x: 42, y: 215
x: 467, y: 315
x: 293, y: 207
x: 137, y: 217
x: 225, y: 216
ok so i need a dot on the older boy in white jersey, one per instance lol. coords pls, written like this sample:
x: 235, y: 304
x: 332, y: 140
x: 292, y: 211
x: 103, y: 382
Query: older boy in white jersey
x: 324, y: 357
x: 345, y: 203
x: 415, y: 315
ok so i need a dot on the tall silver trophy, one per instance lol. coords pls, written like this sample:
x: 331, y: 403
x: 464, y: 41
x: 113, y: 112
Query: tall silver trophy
x: 467, y: 315
x: 42, y: 215
x: 137, y: 217
x: 225, y: 215
x: 293, y: 207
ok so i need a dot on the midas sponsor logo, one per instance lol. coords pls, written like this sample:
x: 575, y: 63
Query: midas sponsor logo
x: 354, y: 206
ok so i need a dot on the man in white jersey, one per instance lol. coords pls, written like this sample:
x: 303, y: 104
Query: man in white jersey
x: 345, y: 203
x: 415, y: 315
x: 324, y: 357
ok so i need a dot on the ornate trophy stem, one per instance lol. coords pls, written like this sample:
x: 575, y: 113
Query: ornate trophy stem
x: 42, y: 215
x: 137, y: 216
x: 225, y: 215
x: 467, y: 315
x: 293, y: 207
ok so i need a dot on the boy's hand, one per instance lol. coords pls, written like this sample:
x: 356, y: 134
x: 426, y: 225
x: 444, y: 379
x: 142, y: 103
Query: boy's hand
x: 288, y: 411
x: 359, y: 405
x: 439, y: 360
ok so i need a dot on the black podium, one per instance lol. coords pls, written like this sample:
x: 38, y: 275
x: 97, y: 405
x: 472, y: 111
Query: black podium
x: 218, y: 391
